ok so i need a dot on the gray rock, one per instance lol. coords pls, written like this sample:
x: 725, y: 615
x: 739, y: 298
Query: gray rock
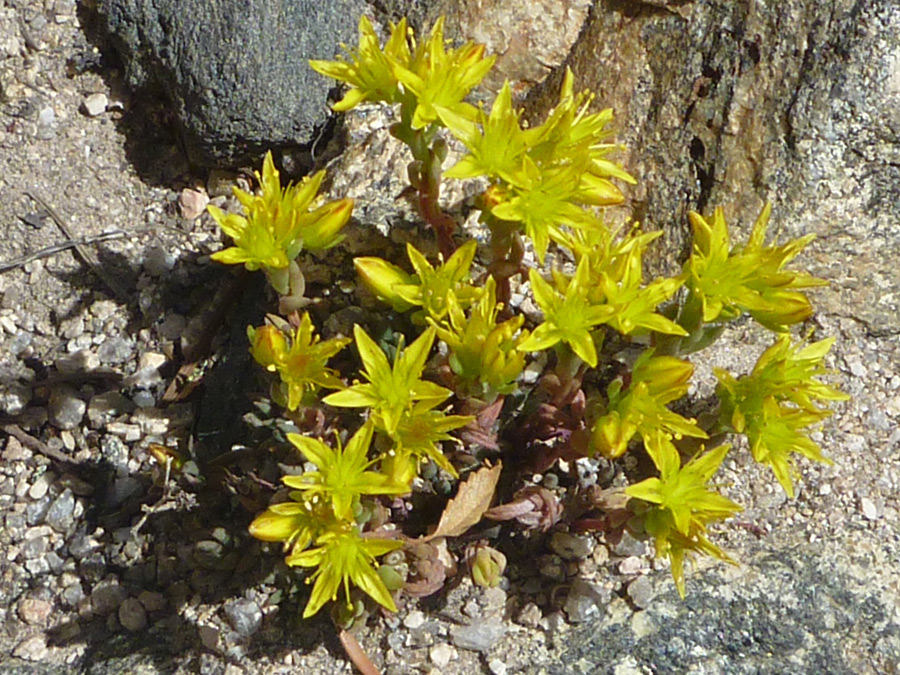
x: 242, y: 84
x: 797, y: 604
x: 115, y: 350
x: 244, y: 616
x: 65, y: 409
x: 34, y: 547
x: 20, y: 342
x: 479, y: 636
x: 628, y: 546
x: 36, y: 511
x: 641, y: 592
x: 81, y: 546
x: 37, y: 566
x: 586, y: 601
x: 105, y: 407
x: 571, y: 546
x: 72, y: 594
x: 60, y: 515
x: 14, y: 397
x: 116, y: 453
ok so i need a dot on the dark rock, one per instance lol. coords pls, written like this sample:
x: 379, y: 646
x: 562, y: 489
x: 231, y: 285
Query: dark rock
x: 107, y: 596
x: 237, y: 73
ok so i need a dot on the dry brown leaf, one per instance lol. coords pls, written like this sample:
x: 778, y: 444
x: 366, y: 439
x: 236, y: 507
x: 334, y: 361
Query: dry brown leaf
x: 471, y: 501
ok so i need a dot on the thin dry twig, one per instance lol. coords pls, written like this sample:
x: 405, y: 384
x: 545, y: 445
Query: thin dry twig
x: 162, y: 504
x: 86, y: 255
x: 59, y: 248
x: 33, y: 443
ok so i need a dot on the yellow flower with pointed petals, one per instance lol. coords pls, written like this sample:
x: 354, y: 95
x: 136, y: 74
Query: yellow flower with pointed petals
x: 730, y: 280
x: 342, y: 556
x: 369, y: 70
x: 391, y: 391
x: 294, y: 522
x: 278, y: 223
x: 684, y: 503
x: 497, y: 150
x: 440, y: 79
x: 341, y: 475
x: 568, y: 318
x: 301, y: 364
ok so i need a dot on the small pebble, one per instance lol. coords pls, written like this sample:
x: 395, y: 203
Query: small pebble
x: 66, y: 409
x: 497, y: 667
x: 244, y: 616
x: 79, y: 361
x: 571, y: 546
x: 192, y: 203
x: 68, y: 440
x: 158, y: 260
x: 479, y: 636
x: 641, y: 592
x: 40, y: 486
x: 441, y: 654
x: 209, y: 637
x: 32, y: 649
x: 152, y: 601
x: 15, y: 451
x: 628, y: 546
x: 94, y: 104
x: 869, y: 508
x: 60, y: 515
x: 35, y: 611
x: 585, y: 600
x: 414, y: 619
x: 144, y: 399
x: 132, y: 615
x: 530, y: 615
x: 106, y: 597
x: 115, y: 350
x: 632, y: 565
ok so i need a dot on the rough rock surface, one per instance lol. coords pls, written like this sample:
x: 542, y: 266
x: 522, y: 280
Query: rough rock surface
x: 236, y: 72
x: 734, y: 104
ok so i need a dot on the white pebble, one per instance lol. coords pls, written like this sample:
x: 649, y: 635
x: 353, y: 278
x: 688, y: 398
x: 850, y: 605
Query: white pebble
x: 441, y: 654
x: 94, y: 105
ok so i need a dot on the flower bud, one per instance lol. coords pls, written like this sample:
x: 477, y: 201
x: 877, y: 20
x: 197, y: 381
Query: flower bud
x: 488, y: 567
x: 267, y: 345
x: 381, y: 277
x: 611, y: 435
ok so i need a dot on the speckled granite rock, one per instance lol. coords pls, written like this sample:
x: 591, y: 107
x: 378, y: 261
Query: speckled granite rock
x: 736, y: 104
x: 797, y: 608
